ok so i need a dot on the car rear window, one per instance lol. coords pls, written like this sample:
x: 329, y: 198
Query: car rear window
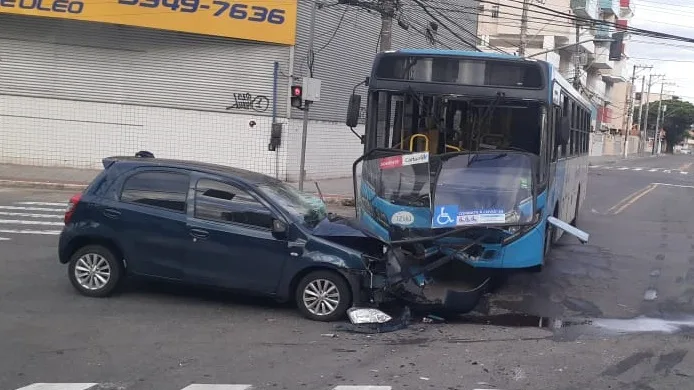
x: 166, y: 190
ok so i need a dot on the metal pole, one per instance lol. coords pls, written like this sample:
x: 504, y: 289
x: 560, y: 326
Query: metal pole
x: 304, y: 133
x: 524, y: 29
x: 628, y: 99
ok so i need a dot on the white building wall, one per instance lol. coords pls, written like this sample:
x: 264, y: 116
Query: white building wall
x: 53, y: 132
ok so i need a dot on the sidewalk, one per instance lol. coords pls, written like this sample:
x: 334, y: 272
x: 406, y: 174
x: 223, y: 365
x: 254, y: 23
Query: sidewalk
x: 336, y: 191
x: 602, y: 160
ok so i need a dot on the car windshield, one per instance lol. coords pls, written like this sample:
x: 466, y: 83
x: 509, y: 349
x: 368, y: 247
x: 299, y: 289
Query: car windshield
x: 484, y: 188
x: 304, y: 208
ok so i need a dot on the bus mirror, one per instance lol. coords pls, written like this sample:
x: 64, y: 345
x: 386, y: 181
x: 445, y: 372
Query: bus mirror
x: 353, y: 110
x: 564, y: 131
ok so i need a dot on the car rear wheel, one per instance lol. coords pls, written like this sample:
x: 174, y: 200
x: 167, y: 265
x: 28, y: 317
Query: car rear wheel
x: 323, y: 296
x: 95, y: 271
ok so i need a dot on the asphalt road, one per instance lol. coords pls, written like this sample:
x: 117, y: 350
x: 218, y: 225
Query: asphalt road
x: 639, y: 261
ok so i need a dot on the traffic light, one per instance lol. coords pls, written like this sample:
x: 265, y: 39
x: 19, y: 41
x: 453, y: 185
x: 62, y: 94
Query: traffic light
x: 297, y: 95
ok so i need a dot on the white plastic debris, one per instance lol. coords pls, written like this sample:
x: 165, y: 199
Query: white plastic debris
x: 361, y: 315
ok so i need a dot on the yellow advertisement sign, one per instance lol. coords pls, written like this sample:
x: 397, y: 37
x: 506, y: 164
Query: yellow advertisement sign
x: 258, y: 20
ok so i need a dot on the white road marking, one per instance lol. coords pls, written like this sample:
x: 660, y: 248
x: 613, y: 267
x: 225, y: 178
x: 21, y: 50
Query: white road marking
x: 623, y: 168
x: 343, y: 387
x: 5, y: 239
x: 683, y: 172
x: 638, y: 169
x: 44, y: 232
x: 667, y: 171
x: 217, y: 387
x: 58, y: 386
x: 32, y: 209
x: 673, y: 185
x: 653, y: 170
x: 29, y: 215
x: 59, y: 204
x: 27, y: 222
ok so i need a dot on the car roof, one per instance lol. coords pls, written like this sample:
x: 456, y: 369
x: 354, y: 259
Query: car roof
x: 245, y: 175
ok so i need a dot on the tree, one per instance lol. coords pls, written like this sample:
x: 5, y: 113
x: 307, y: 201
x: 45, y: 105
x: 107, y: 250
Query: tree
x: 676, y: 121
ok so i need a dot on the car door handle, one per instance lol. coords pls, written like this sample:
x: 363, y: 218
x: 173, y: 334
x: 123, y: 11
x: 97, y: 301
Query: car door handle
x: 199, y: 233
x: 111, y: 213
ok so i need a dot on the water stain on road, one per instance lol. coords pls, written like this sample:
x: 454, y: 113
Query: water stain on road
x: 570, y: 329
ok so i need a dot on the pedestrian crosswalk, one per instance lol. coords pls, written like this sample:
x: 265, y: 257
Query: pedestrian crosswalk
x: 23, y: 218
x: 194, y: 386
x: 641, y: 169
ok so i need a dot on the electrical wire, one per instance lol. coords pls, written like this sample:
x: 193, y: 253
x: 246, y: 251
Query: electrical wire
x: 426, y: 9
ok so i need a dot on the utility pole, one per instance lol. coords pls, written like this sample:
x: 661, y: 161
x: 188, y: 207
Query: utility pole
x: 656, y: 135
x: 648, y: 104
x: 642, y: 134
x: 388, y: 10
x: 524, y: 29
x: 628, y: 99
x: 304, y: 132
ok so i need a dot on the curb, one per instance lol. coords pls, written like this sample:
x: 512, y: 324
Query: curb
x: 47, y: 185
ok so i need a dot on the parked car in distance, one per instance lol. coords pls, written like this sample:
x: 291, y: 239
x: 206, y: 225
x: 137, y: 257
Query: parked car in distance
x: 209, y: 225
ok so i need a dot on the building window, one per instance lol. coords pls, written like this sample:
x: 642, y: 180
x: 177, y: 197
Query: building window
x: 495, y: 11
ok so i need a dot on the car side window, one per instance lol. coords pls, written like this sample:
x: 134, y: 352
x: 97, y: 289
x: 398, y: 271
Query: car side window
x: 222, y: 202
x: 166, y: 190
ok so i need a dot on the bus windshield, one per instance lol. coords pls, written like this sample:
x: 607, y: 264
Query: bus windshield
x: 484, y: 188
x: 438, y: 124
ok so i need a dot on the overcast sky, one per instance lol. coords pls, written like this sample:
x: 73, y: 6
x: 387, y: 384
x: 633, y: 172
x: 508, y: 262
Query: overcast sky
x: 672, y: 58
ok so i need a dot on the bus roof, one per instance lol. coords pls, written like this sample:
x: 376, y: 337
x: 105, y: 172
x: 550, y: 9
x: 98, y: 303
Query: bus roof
x: 553, y: 73
x: 465, y: 53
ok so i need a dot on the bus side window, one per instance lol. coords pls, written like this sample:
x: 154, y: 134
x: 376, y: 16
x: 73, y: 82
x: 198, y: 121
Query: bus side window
x: 557, y: 124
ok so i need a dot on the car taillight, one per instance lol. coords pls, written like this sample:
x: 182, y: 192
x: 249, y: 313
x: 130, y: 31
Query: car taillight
x: 71, y: 207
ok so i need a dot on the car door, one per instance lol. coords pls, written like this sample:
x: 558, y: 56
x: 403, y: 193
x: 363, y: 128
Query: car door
x: 148, y: 216
x: 231, y: 242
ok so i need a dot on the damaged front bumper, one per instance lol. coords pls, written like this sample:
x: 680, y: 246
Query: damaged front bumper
x: 441, y: 284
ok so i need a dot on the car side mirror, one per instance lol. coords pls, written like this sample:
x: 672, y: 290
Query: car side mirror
x: 353, y: 110
x: 564, y: 131
x: 279, y: 227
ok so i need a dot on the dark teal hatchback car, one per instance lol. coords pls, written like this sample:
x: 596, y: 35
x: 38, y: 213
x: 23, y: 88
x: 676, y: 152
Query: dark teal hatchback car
x: 216, y: 226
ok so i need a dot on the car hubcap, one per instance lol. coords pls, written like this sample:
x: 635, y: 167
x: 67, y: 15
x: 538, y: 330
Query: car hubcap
x: 321, y: 297
x: 92, y: 271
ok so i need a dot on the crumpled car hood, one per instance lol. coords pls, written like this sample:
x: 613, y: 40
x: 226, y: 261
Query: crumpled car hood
x: 348, y: 232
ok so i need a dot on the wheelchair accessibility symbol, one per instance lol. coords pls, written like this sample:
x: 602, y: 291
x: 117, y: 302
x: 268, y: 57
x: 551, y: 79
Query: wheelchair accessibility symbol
x: 445, y: 216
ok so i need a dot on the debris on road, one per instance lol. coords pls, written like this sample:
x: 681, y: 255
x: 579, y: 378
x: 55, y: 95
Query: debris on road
x: 401, y: 322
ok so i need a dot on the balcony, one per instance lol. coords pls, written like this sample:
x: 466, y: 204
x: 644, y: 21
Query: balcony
x: 610, y: 7
x: 596, y: 89
x: 626, y: 8
x: 618, y: 74
x: 604, y: 30
x: 585, y: 8
x: 602, y: 58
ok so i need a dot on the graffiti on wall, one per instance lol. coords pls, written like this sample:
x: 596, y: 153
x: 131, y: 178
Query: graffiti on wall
x: 247, y: 101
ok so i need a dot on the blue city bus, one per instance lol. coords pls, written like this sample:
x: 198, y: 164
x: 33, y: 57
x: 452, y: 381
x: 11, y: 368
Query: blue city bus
x: 491, y: 127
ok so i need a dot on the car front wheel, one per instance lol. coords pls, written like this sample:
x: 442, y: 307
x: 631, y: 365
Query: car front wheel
x: 95, y: 271
x: 323, y: 296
